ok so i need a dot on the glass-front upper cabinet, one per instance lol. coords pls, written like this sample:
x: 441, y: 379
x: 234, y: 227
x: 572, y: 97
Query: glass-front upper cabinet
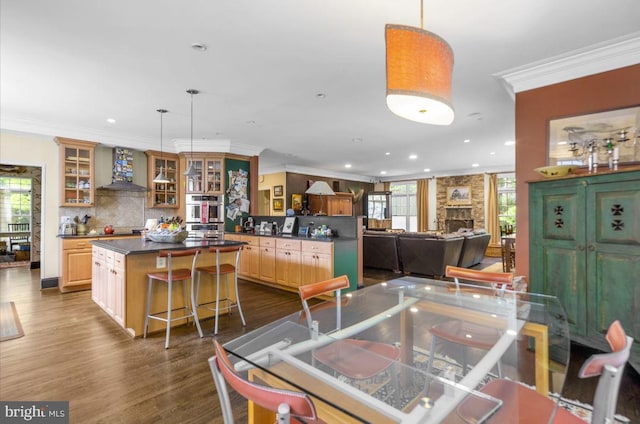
x: 163, y: 195
x: 77, y: 172
x: 213, y: 175
x: 209, y: 176
x: 194, y: 182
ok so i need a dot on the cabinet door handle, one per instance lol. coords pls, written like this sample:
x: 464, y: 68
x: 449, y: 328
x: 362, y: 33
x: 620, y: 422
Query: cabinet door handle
x: 591, y: 248
x: 580, y: 247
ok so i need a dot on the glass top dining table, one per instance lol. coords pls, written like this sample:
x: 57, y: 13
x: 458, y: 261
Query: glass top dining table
x: 355, y: 382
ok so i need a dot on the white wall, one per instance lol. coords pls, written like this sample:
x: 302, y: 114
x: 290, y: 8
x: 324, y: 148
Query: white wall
x: 42, y: 151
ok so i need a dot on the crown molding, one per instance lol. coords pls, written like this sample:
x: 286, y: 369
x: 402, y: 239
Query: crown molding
x: 47, y: 129
x: 266, y: 170
x: 606, y: 56
x: 22, y: 125
x: 215, y: 146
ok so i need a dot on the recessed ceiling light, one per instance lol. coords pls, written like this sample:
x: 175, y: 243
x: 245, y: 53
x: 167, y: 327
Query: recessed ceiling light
x: 492, y: 153
x: 200, y: 47
x: 383, y: 172
x: 347, y: 165
x: 387, y: 153
x: 111, y: 120
x: 357, y: 140
x: 250, y: 122
x: 321, y: 95
x: 413, y: 156
x: 509, y: 143
x: 467, y: 141
x: 475, y: 165
x: 427, y: 169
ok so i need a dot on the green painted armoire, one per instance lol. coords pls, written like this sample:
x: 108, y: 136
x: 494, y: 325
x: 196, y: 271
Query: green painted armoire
x: 585, y: 249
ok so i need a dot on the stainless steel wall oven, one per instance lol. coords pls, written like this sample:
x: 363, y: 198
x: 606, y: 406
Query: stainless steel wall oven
x: 205, y: 216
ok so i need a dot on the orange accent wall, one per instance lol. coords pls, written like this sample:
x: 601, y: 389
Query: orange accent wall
x: 534, y: 108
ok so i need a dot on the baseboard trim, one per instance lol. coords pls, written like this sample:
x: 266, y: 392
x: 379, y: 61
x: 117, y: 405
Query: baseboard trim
x: 49, y: 283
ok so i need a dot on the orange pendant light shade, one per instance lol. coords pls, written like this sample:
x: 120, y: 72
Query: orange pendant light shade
x: 419, y: 66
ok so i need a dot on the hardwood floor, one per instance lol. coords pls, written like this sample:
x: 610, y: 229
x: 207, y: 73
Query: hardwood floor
x: 73, y: 351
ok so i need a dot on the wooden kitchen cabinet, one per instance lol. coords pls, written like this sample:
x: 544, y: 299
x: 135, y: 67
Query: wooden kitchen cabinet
x: 250, y: 256
x: 98, y: 277
x: 317, y: 261
x: 585, y: 249
x: 76, y: 265
x: 116, y: 276
x: 288, y: 262
x: 108, y: 288
x: 163, y: 195
x: 268, y: 259
x: 339, y: 205
x: 210, y: 177
x: 76, y: 172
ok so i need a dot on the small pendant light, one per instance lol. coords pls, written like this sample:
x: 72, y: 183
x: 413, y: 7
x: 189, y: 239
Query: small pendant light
x: 161, y: 178
x: 191, y: 170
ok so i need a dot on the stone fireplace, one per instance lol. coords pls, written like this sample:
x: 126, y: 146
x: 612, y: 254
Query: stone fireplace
x: 457, y: 217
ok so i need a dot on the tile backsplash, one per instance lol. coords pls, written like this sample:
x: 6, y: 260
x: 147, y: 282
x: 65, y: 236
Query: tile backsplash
x: 125, y: 210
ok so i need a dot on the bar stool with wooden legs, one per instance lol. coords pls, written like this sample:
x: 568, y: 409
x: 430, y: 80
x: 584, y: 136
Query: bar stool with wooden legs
x: 169, y: 277
x: 218, y: 270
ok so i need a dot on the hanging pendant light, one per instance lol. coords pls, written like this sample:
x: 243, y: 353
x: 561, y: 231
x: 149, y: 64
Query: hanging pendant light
x: 419, y: 67
x: 161, y: 177
x: 191, y: 170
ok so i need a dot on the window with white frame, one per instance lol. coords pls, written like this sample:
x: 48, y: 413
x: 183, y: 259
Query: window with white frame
x: 15, y: 201
x: 507, y: 199
x: 404, y: 205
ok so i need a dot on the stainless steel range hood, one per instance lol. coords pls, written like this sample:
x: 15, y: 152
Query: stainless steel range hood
x: 123, y: 186
x: 122, y: 172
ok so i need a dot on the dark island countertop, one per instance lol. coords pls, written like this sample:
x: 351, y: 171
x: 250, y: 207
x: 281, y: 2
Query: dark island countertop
x: 295, y: 237
x: 95, y: 235
x: 134, y: 246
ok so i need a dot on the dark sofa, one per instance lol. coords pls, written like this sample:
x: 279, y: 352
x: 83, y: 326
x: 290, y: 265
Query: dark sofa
x: 473, y: 249
x: 380, y: 250
x: 427, y: 255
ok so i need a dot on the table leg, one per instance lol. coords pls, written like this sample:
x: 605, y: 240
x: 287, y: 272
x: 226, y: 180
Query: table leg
x: 406, y: 343
x: 540, y: 334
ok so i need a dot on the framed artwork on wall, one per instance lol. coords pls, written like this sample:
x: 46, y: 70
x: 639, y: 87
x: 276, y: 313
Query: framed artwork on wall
x: 278, y: 205
x: 278, y: 190
x: 460, y: 195
x: 595, y: 138
x: 296, y: 202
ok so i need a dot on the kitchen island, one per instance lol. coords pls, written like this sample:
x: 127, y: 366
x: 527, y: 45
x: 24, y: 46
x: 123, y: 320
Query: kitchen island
x: 119, y: 274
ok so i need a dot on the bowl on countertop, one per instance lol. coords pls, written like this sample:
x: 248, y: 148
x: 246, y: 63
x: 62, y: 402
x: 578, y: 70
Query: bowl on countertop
x: 178, y: 237
x: 555, y: 171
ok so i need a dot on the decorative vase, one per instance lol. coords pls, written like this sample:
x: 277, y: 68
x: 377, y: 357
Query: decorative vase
x: 81, y: 229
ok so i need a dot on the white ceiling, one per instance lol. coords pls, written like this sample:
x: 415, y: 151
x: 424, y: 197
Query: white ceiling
x: 68, y: 65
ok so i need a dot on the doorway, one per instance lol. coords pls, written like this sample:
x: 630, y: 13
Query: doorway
x: 20, y: 213
x: 264, y: 202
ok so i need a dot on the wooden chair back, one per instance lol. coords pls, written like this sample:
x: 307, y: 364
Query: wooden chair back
x: 499, y: 280
x: 331, y: 286
x: 299, y: 404
x: 18, y: 227
x: 609, y: 366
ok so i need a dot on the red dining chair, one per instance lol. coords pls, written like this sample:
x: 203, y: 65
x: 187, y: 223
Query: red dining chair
x: 524, y: 405
x: 286, y: 403
x: 344, y: 356
x: 464, y: 333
